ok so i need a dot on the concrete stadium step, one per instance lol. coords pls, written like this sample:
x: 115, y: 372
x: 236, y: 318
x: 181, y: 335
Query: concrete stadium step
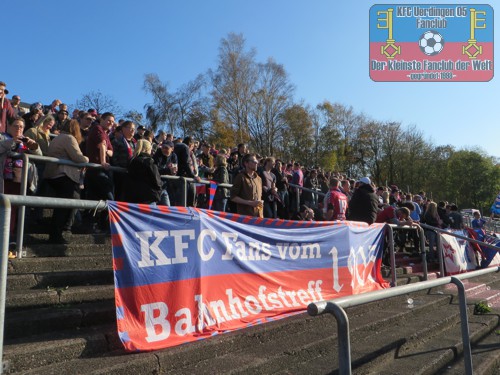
x: 42, y: 350
x: 71, y: 249
x: 86, y: 239
x: 58, y: 264
x: 43, y: 280
x: 299, y: 344
x: 434, y: 354
x: 58, y: 296
x: 57, y: 318
x: 227, y: 353
x: 485, y: 357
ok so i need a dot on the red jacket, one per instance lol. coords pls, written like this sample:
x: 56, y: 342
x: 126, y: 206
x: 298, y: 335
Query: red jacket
x: 6, y: 114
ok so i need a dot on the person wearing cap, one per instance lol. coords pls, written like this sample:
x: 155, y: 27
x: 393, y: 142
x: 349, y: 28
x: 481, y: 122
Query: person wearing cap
x: 139, y: 133
x: 6, y: 111
x: 31, y: 118
x: 363, y: 205
x: 304, y: 214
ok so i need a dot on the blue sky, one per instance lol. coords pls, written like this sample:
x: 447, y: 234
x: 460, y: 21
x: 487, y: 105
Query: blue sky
x: 63, y: 49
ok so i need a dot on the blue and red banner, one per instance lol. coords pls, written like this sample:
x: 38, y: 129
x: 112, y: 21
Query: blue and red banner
x: 431, y: 42
x: 184, y: 274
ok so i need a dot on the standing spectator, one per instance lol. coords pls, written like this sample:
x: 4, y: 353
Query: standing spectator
x: 144, y: 178
x: 269, y: 190
x: 166, y: 160
x: 10, y: 180
x: 363, y: 205
x: 346, y: 188
x: 247, y: 188
x: 455, y: 219
x: 295, y: 192
x: 6, y: 111
x: 139, y: 134
x: 160, y: 138
x: 441, y: 209
x: 85, y: 120
x: 64, y: 179
x: 221, y: 176
x: 335, y: 202
x: 187, y: 167
x: 18, y: 110
x: 52, y: 108
x: 41, y: 133
x: 242, y: 151
x: 431, y: 217
x: 98, y: 182
x: 32, y: 117
x: 124, y: 145
x: 477, y: 222
x: 282, y: 186
x: 208, y: 161
x: 311, y: 182
x: 61, y: 122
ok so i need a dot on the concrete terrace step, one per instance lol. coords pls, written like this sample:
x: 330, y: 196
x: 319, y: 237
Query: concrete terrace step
x: 84, y: 239
x: 57, y: 264
x: 69, y: 250
x: 43, y: 280
x: 241, y: 350
x: 43, y: 350
x: 57, y: 318
x: 485, y: 357
x: 58, y: 296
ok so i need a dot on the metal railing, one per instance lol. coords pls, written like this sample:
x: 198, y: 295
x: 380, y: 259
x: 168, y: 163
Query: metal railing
x: 6, y: 201
x: 336, y: 308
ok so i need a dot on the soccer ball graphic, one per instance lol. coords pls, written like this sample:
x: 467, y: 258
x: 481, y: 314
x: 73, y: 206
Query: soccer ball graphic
x: 431, y: 43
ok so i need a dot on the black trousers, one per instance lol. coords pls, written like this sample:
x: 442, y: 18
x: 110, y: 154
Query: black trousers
x: 64, y: 187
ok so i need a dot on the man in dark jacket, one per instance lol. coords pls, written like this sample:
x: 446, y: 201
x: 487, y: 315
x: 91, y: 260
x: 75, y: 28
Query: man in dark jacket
x: 187, y: 168
x: 363, y: 205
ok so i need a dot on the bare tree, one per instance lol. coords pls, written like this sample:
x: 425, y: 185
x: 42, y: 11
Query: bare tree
x: 272, y: 97
x: 98, y: 101
x: 134, y: 116
x: 233, y: 83
x: 188, y: 103
x: 157, y: 113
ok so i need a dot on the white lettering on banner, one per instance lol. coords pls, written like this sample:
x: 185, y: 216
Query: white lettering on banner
x: 154, y: 248
x: 201, y: 238
x: 152, y: 255
x: 367, y: 263
x: 210, y: 313
x: 306, y: 251
x: 335, y: 268
x: 155, y: 320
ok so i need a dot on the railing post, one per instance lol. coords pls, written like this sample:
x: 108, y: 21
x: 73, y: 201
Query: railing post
x: 422, y: 251
x: 464, y: 322
x: 21, y: 210
x: 394, y: 280
x: 343, y: 338
x: 439, y: 249
x: 5, y: 208
x: 183, y: 201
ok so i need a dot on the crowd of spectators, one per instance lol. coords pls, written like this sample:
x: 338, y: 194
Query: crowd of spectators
x: 261, y: 186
